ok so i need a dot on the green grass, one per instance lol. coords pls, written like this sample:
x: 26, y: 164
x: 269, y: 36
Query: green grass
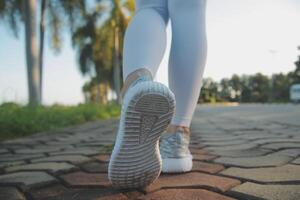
x: 18, y: 121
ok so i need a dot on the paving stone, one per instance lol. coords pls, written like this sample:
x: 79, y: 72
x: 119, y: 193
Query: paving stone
x: 289, y: 152
x: 254, y: 137
x: 87, y: 179
x: 11, y: 193
x: 242, y: 153
x: 103, y: 158
x: 95, y: 167
x: 58, y: 146
x: 132, y: 194
x: 198, y: 151
x: 196, y: 146
x: 78, y: 151
x: 275, y: 140
x: 95, y: 144
x: 59, y: 192
x: 203, y: 157
x: 271, y: 174
x: 48, y: 192
x: 22, y: 141
x: 19, y: 157
x: 252, y: 133
x: 184, y: 194
x: 3, y: 151
x: 8, y: 164
x: 296, y: 161
x: 225, y: 143
x: 277, y: 146
x: 113, y: 197
x: 274, y: 192
x: 207, y: 167
x: 49, y: 166
x: 233, y: 147
x: 75, y: 159
x: 36, y: 150
x: 28, y: 179
x: 193, y: 179
x: 259, y: 161
x: 217, y: 138
x: 61, y: 144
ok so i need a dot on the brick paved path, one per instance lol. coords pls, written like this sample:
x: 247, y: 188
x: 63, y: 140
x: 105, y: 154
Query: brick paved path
x: 244, y: 152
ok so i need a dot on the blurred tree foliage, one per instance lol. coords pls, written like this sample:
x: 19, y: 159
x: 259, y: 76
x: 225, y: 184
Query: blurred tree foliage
x: 250, y: 88
x: 97, y: 28
x: 99, y: 43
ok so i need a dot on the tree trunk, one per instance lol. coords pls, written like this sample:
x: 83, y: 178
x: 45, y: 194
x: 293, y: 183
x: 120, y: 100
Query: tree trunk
x: 116, y: 65
x: 41, y: 49
x: 33, y: 70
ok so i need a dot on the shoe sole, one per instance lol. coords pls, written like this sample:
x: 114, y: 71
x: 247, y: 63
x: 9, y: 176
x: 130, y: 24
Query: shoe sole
x: 146, y: 112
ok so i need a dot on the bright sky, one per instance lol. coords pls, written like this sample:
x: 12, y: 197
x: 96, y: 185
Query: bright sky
x: 244, y: 37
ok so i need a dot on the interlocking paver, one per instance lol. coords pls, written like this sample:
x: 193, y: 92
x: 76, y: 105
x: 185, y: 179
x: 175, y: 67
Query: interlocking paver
x: 289, y: 152
x: 198, y: 151
x: 78, y: 151
x: 276, y: 140
x: 193, y: 179
x: 95, y: 167
x: 19, y: 157
x: 103, y: 158
x: 283, y: 173
x: 37, y: 150
x: 49, y: 166
x: 233, y: 147
x: 29, y: 179
x: 225, y: 143
x: 11, y: 193
x: 241, y: 153
x: 277, y: 146
x: 184, y: 194
x: 87, y: 179
x: 3, y: 151
x: 259, y: 161
x: 274, y: 192
x: 296, y: 161
x: 113, y: 197
x: 60, y: 192
x: 246, y: 136
x: 206, y: 167
x: 10, y: 163
x: 203, y: 157
x: 62, y: 158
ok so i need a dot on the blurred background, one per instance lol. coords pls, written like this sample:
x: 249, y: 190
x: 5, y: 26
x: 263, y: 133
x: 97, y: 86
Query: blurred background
x: 61, y: 60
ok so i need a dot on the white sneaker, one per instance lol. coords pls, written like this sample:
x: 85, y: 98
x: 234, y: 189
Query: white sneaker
x: 175, y: 153
x: 146, y: 112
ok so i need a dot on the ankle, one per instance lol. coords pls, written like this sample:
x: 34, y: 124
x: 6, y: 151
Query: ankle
x: 172, y: 128
x: 141, y: 74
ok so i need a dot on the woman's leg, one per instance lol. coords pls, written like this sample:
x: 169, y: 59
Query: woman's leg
x: 145, y: 37
x: 148, y: 106
x: 187, y: 56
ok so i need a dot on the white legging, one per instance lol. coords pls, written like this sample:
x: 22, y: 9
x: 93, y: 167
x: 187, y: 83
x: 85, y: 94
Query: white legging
x: 145, y: 44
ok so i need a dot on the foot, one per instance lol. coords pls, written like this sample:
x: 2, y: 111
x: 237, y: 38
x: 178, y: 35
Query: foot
x: 174, y: 150
x: 147, y: 110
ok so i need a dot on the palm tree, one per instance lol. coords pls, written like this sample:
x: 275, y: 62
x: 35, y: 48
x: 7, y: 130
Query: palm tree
x: 99, y: 46
x: 15, y: 12
x: 33, y: 68
x: 118, y: 22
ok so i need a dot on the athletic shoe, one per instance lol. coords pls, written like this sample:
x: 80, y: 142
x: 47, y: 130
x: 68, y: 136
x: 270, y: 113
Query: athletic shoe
x: 147, y: 110
x: 175, y: 153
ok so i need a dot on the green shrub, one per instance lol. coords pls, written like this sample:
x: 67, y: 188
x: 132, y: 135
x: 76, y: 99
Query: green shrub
x: 18, y: 121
